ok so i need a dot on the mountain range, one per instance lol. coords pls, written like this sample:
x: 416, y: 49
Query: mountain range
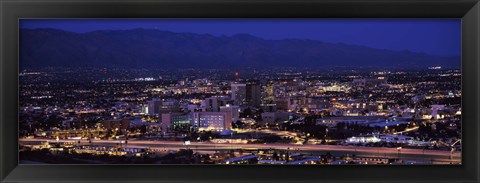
x: 147, y: 48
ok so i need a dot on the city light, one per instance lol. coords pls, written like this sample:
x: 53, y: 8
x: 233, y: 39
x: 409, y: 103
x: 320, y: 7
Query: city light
x: 146, y: 96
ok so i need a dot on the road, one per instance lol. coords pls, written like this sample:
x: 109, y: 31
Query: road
x: 404, y: 153
x: 407, y: 130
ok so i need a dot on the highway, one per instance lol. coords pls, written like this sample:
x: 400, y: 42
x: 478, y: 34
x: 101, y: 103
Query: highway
x: 403, y: 153
x: 407, y: 130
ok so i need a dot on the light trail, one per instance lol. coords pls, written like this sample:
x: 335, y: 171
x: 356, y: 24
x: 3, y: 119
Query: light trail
x: 308, y: 147
x: 407, y: 130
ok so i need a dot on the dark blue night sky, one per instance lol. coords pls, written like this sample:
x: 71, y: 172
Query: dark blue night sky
x: 432, y: 36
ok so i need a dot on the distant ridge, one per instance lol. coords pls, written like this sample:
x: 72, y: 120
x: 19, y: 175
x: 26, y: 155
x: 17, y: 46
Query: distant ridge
x: 147, y: 48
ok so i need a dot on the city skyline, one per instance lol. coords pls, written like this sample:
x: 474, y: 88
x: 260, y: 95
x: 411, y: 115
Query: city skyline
x: 149, y: 96
x: 209, y: 117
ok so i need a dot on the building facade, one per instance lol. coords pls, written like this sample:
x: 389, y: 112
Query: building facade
x: 239, y: 93
x: 211, y: 121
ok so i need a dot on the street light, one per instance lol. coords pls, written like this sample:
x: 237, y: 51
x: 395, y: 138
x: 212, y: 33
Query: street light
x: 451, y: 152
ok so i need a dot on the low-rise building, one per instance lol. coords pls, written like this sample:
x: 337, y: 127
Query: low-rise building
x: 402, y: 139
x: 363, y: 139
x: 250, y: 159
x: 211, y: 121
x: 116, y: 124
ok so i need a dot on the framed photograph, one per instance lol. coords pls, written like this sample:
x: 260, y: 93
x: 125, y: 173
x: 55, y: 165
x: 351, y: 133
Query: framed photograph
x: 257, y: 91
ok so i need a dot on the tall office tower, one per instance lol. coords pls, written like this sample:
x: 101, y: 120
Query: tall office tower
x: 253, y: 94
x: 239, y: 91
x: 153, y: 106
x: 269, y: 94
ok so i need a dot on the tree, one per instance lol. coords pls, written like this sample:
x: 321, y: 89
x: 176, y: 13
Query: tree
x: 246, y: 113
x: 311, y: 119
x: 143, y: 129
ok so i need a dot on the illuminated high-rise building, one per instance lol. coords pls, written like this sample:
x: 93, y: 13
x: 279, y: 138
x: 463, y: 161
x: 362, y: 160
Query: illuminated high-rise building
x: 239, y: 93
x: 253, y: 94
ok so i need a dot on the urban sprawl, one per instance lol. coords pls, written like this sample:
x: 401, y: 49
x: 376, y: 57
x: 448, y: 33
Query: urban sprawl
x: 244, y: 116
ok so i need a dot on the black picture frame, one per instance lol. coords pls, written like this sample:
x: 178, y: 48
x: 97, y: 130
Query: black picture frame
x: 12, y: 10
